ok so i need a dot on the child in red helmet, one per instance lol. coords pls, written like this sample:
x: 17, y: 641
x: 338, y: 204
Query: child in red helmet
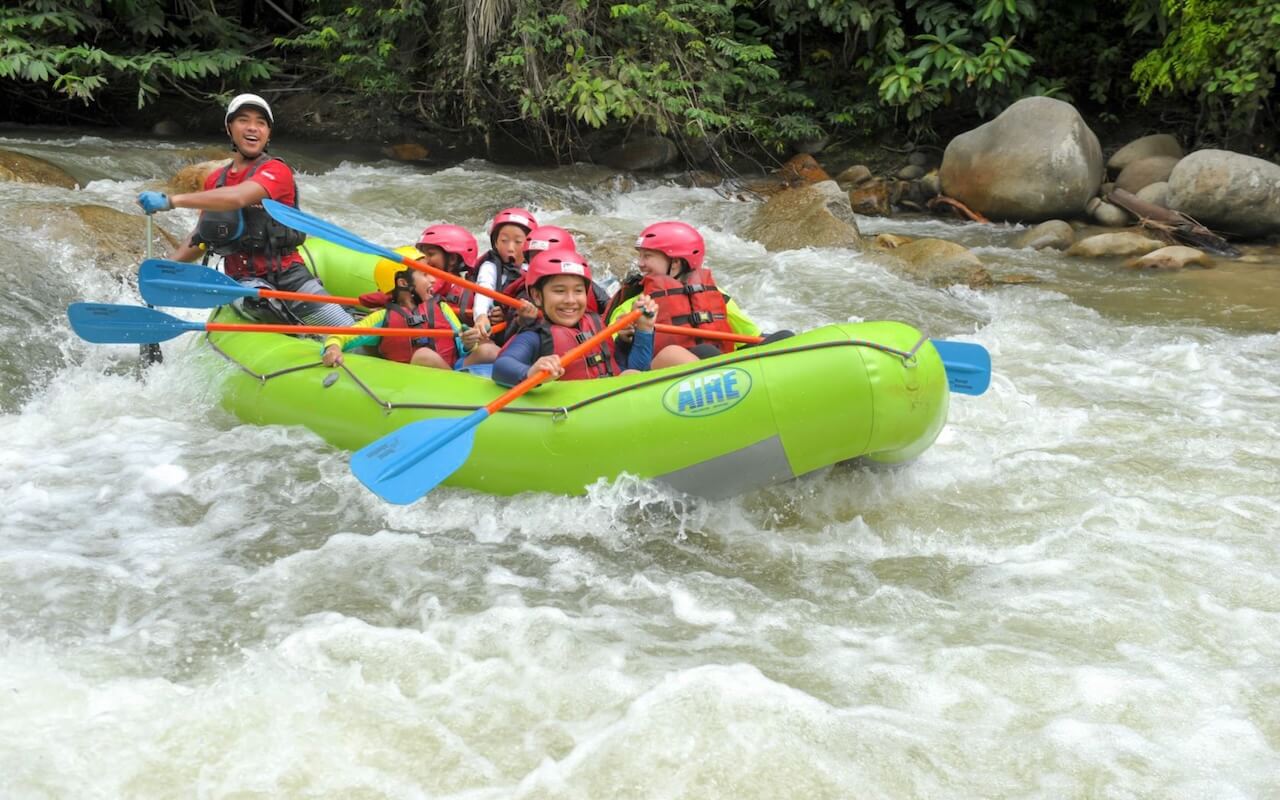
x: 502, y: 264
x: 418, y: 300
x: 559, y: 283
x: 671, y: 258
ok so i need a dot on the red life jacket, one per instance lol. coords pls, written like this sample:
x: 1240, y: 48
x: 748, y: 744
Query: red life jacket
x: 558, y: 340
x: 693, y: 301
x: 460, y: 298
x: 426, y: 315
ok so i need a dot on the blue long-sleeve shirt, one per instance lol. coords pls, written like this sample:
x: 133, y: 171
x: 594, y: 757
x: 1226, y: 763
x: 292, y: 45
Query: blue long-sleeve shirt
x: 518, y: 356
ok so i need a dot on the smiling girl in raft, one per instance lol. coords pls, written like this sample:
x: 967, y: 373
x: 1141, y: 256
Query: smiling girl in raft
x: 559, y: 283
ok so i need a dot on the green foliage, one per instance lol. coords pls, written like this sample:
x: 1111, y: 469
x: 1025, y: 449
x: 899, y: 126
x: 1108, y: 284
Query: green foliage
x: 691, y: 70
x: 367, y: 47
x: 1224, y: 53
x: 717, y: 72
x: 81, y: 48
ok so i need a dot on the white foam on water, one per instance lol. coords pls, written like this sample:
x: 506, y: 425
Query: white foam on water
x: 1074, y: 592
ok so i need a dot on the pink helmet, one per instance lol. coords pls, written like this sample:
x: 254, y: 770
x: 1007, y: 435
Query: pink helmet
x: 451, y: 239
x: 512, y: 216
x: 557, y: 261
x: 546, y: 237
x: 674, y: 240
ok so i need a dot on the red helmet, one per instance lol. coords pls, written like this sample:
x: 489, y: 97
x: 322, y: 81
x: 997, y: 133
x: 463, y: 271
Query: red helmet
x: 557, y: 261
x: 512, y: 216
x: 674, y: 240
x: 451, y: 239
x: 546, y: 237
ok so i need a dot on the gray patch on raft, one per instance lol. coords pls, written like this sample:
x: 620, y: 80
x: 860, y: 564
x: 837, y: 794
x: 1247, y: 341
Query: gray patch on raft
x: 761, y: 464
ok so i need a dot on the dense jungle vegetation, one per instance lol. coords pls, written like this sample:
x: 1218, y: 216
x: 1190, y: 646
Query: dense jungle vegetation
x: 730, y: 73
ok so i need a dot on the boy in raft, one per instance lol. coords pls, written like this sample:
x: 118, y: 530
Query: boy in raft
x: 502, y: 264
x: 671, y: 272
x: 411, y: 304
x: 559, y: 282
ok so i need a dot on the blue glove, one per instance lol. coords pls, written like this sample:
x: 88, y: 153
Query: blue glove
x: 152, y: 202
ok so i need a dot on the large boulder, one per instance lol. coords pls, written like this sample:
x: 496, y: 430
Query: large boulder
x: 1144, y: 172
x: 114, y: 240
x: 1158, y: 144
x: 23, y: 168
x: 1228, y: 192
x: 938, y: 262
x: 803, y: 217
x: 1037, y: 160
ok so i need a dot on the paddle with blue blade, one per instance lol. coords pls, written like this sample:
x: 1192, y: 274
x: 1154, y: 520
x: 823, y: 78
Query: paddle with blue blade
x: 300, y: 220
x: 104, y: 323
x: 175, y: 283
x: 968, y: 366
x: 406, y: 464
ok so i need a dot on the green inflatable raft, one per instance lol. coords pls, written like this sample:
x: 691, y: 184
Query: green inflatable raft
x: 714, y: 429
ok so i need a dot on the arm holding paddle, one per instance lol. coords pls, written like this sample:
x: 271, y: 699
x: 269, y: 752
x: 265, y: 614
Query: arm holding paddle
x: 407, y: 463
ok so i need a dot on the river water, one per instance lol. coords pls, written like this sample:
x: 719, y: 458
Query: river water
x: 1074, y: 594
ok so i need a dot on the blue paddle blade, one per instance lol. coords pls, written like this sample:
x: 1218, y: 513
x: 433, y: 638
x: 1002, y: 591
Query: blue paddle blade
x: 102, y: 323
x: 968, y: 366
x: 406, y: 464
x: 173, y: 283
x: 313, y: 226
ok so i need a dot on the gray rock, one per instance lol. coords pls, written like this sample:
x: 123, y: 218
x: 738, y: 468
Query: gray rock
x: 918, y: 159
x: 1157, y: 194
x: 930, y: 184
x: 1110, y: 215
x: 640, y: 152
x: 1159, y: 144
x: 854, y: 176
x: 1144, y: 172
x: 938, y: 262
x: 114, y: 240
x: 871, y: 198
x: 1228, y: 192
x: 911, y: 172
x: 168, y: 127
x: 837, y: 201
x: 800, y: 217
x: 23, y: 168
x: 1056, y: 234
x: 1170, y: 258
x: 1037, y: 160
x: 1125, y: 243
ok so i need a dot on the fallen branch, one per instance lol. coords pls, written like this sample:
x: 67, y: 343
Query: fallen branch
x: 961, y: 208
x: 1172, y: 226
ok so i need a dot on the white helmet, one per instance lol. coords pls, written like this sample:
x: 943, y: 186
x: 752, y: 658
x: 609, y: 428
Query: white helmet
x: 254, y: 101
